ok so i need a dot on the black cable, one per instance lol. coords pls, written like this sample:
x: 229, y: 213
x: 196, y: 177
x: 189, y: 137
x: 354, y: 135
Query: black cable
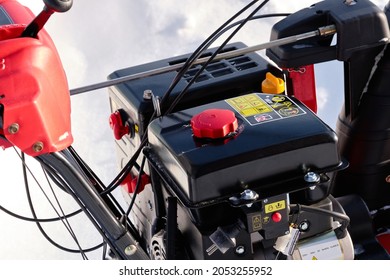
x: 198, y: 52
x: 43, y: 232
x: 51, y: 169
x: 343, y: 218
x: 122, y: 174
x: 183, y: 92
x: 139, y: 181
x: 126, y: 169
x: 39, y: 220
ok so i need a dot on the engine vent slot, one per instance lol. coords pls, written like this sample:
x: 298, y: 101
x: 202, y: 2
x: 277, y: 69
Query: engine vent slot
x: 218, y: 68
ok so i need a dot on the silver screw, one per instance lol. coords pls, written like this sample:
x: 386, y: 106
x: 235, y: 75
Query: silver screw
x: 148, y: 94
x: 312, y: 177
x: 388, y: 179
x: 304, y: 226
x: 240, y: 250
x: 249, y: 194
x: 130, y: 250
x: 13, y: 128
x: 38, y: 147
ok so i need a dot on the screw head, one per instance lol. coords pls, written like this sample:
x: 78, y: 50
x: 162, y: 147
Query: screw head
x: 304, y: 226
x: 388, y: 179
x: 13, y: 128
x: 37, y: 147
x: 240, y: 250
x: 249, y: 194
x: 312, y: 177
x: 130, y: 250
x: 147, y: 94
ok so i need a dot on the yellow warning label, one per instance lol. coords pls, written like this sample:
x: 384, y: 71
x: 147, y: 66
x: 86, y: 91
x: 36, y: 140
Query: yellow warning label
x: 249, y: 105
x: 314, y: 258
x: 256, y: 222
x: 276, y: 206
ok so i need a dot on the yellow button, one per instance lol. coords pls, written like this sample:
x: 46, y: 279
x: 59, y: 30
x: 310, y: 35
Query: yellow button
x: 272, y: 84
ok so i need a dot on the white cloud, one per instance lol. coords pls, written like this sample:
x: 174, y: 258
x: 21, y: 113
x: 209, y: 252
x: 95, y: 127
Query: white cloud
x: 95, y: 38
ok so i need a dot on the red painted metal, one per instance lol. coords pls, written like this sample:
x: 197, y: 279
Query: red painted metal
x: 33, y: 87
x: 301, y: 84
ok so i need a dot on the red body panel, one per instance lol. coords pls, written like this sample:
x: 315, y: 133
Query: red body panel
x: 33, y: 87
x: 303, y: 86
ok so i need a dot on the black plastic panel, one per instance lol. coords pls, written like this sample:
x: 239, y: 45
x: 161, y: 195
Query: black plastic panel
x: 278, y: 142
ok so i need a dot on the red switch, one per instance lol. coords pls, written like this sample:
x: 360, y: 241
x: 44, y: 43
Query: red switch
x: 118, y: 126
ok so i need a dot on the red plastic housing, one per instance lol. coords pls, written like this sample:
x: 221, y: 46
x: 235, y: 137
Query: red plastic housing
x: 214, y: 123
x: 34, y: 91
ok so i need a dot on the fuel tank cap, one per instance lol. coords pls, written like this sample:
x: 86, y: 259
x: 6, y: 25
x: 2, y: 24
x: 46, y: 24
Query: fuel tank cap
x: 214, y: 123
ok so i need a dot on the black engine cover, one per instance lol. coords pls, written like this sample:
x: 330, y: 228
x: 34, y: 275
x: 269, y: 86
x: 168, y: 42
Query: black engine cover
x: 277, y: 138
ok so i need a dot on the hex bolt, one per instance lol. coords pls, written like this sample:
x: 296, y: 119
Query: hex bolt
x: 130, y: 250
x: 249, y: 195
x: 13, y: 128
x: 312, y: 177
x: 38, y: 147
x: 240, y: 250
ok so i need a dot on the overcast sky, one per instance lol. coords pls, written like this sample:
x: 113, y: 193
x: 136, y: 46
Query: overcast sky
x: 97, y: 37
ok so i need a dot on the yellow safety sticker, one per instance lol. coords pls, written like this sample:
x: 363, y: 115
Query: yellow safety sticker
x: 249, y: 105
x: 276, y: 206
x: 256, y: 222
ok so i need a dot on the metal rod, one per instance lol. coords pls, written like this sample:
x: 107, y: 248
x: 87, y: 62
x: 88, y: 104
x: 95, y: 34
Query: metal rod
x: 322, y: 31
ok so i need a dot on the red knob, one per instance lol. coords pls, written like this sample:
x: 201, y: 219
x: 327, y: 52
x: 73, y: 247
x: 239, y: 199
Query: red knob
x: 214, y: 123
x: 117, y: 125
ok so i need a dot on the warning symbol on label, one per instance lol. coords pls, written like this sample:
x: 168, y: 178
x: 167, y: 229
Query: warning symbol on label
x: 249, y: 105
x: 276, y: 206
x: 256, y: 222
x: 314, y: 258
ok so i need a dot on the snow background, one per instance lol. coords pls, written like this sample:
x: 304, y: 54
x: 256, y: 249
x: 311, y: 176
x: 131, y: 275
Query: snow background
x: 97, y: 37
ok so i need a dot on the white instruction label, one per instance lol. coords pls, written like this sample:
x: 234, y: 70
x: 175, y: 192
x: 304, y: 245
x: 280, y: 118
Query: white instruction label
x: 325, y: 247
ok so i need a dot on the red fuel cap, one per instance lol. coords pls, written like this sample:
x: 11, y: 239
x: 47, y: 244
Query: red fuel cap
x: 214, y: 123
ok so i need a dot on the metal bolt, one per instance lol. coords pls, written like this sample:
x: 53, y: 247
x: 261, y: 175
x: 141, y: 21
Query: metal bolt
x: 304, y: 226
x: 388, y: 179
x: 265, y: 200
x: 38, y: 147
x: 13, y: 128
x: 130, y: 250
x: 312, y: 177
x: 249, y: 195
x: 240, y: 250
x: 148, y: 94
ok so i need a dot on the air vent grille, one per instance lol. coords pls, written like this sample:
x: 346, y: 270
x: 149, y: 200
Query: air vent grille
x: 218, y: 68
